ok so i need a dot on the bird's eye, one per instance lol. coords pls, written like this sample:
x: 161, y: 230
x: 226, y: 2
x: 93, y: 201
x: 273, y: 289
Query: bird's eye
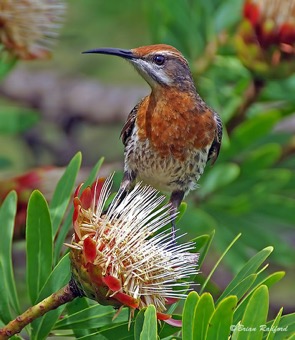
x: 159, y: 59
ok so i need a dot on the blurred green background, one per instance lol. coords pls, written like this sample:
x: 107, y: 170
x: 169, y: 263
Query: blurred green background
x: 50, y: 110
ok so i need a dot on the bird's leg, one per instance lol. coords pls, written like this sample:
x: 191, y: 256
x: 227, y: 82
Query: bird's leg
x: 128, y: 179
x: 175, y: 200
x: 126, y: 183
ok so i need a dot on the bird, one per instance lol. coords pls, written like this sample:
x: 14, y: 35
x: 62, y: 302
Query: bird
x: 172, y: 133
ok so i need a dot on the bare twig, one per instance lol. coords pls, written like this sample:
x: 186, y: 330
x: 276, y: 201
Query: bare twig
x: 64, y: 295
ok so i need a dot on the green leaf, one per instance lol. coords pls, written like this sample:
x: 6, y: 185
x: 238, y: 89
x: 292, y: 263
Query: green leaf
x: 149, y: 329
x: 63, y: 192
x: 200, y: 242
x: 292, y: 337
x: 42, y: 327
x: 38, y: 243
x: 138, y: 325
x: 92, y: 317
x: 271, y: 180
x: 255, y: 315
x: 219, y: 176
x: 286, y: 211
x: 242, y: 287
x: 16, y: 337
x: 268, y: 281
x: 58, y: 278
x: 249, y: 268
x: 222, y: 21
x: 222, y: 318
x: 93, y: 173
x: 16, y: 119
x: 203, y: 312
x: 76, y: 306
x: 197, y: 221
x: 64, y: 230
x: 261, y: 158
x: 181, y: 211
x: 188, y: 315
x: 206, y: 248
x: 251, y: 130
x: 279, y: 90
x: 236, y: 330
x: 217, y: 263
x: 7, y: 62
x: 6, y: 314
x: 94, y: 336
x: 166, y: 330
x: 8, y: 297
x: 274, y: 325
x: 286, y: 327
x: 116, y: 331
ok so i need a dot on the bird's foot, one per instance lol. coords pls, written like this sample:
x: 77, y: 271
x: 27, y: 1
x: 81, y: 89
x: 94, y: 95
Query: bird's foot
x: 173, y: 232
x: 175, y: 200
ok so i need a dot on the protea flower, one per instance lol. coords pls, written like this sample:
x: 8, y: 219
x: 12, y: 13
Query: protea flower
x: 26, y: 26
x: 124, y: 257
x: 266, y: 37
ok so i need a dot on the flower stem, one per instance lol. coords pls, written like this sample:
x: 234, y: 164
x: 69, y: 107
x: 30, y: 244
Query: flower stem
x: 62, y: 296
x: 250, y: 96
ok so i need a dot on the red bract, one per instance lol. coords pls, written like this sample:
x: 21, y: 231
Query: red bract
x: 127, y: 300
x: 113, y: 283
x: 89, y: 249
x: 170, y: 301
x: 162, y: 316
x: 77, y: 191
x: 86, y: 198
x: 90, y: 195
x: 287, y: 33
x: 251, y: 12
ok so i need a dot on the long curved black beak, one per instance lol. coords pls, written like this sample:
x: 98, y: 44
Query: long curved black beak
x: 127, y: 54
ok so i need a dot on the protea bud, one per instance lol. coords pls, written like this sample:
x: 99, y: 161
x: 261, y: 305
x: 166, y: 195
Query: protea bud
x: 266, y: 37
x: 26, y: 26
x: 123, y: 257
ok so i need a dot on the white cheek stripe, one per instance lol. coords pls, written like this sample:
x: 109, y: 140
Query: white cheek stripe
x: 145, y: 68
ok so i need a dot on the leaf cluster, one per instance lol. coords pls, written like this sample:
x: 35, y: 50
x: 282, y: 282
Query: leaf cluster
x: 244, y: 302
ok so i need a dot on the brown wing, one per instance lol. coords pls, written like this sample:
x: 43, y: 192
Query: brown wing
x: 215, y: 147
x: 129, y: 125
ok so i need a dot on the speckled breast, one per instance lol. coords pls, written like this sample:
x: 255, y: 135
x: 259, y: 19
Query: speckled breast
x: 165, y: 173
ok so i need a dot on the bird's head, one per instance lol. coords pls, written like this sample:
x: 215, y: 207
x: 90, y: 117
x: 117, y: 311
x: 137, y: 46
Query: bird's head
x: 159, y: 65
